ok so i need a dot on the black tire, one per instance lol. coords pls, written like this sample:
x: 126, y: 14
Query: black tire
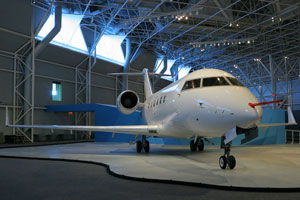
x: 139, y: 146
x: 193, y: 146
x: 231, y: 162
x: 223, y: 162
x: 147, y: 147
x: 200, y: 145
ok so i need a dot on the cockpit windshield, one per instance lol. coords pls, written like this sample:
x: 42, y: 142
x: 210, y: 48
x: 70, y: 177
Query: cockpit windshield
x: 211, y: 81
x: 214, y: 81
x: 192, y: 84
x: 234, y: 81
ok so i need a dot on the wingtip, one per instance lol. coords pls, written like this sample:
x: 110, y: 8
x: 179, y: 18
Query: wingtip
x: 291, y: 118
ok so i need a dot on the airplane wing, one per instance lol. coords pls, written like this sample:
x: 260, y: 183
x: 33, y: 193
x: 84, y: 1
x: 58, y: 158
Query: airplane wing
x: 149, y: 130
x: 291, y: 121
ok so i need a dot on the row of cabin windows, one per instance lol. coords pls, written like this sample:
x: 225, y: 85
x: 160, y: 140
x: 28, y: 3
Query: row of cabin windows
x: 213, y: 81
x: 157, y: 102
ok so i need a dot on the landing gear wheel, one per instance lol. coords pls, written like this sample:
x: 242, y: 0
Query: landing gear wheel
x: 226, y: 159
x: 231, y: 162
x: 223, y: 162
x: 147, y: 147
x: 193, y: 146
x: 200, y: 145
x: 139, y: 146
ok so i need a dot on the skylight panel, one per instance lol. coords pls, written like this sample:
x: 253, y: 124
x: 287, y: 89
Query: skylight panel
x: 183, y: 71
x: 109, y: 49
x: 160, y: 65
x: 70, y: 35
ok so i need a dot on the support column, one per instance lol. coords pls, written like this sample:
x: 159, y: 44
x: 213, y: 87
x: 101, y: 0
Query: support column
x: 286, y: 77
x: 24, y: 84
x: 126, y: 65
x: 165, y: 63
x: 273, y: 80
x: 261, y: 99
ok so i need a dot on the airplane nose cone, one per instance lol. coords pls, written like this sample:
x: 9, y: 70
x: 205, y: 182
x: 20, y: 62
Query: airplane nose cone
x: 249, y: 117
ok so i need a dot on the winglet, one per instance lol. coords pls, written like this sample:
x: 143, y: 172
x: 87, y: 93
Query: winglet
x: 291, y: 118
x: 6, y: 117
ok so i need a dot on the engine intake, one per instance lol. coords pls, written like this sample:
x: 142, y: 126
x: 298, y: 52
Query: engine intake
x: 128, y: 102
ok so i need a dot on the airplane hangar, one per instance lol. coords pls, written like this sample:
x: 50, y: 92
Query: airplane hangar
x: 61, y: 62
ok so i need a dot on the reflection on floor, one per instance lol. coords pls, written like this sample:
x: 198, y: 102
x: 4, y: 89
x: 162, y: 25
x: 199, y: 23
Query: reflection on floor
x: 275, y: 166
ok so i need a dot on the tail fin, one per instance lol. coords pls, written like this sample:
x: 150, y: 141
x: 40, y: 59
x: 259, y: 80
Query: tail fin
x: 146, y: 74
x: 147, y: 84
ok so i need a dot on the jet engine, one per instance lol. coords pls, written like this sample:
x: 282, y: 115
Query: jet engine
x: 127, y: 102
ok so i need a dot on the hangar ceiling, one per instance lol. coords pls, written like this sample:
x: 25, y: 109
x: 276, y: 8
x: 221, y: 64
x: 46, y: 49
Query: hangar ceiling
x: 225, y: 34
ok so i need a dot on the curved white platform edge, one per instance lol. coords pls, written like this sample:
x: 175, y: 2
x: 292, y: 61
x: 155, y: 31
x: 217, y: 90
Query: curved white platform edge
x: 272, y: 166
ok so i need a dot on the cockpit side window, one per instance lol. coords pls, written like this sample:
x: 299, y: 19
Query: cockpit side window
x: 234, y: 81
x: 192, y: 84
x: 214, y: 81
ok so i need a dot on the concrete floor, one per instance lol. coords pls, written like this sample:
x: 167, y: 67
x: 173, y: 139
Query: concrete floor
x: 274, y: 166
x: 48, y: 179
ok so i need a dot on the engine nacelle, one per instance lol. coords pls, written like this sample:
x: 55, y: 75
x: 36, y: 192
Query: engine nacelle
x: 127, y: 102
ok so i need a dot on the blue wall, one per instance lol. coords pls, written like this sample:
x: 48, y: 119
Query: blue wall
x: 106, y: 115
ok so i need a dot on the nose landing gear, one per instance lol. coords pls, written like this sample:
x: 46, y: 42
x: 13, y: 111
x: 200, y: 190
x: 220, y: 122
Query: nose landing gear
x: 227, y: 159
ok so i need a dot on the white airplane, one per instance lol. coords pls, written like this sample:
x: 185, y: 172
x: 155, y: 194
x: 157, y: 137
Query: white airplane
x: 206, y: 103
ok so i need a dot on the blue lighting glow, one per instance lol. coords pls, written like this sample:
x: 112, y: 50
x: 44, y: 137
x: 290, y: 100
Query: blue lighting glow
x: 159, y: 65
x: 109, y: 49
x: 70, y: 35
x: 183, y: 71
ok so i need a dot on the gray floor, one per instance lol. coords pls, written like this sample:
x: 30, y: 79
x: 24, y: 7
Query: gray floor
x: 275, y: 166
x: 39, y: 179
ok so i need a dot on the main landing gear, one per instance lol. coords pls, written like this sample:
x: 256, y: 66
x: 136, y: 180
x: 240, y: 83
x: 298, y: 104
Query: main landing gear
x: 199, y: 144
x: 227, y: 159
x: 144, y: 144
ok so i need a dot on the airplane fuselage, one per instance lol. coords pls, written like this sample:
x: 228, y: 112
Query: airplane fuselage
x: 206, y: 103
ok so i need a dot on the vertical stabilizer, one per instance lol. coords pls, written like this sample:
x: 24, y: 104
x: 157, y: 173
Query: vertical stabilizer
x: 147, y: 84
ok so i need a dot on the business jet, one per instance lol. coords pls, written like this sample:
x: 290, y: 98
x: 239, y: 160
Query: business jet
x: 206, y: 103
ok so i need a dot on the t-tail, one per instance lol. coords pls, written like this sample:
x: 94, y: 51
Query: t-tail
x: 147, y: 84
x: 145, y: 73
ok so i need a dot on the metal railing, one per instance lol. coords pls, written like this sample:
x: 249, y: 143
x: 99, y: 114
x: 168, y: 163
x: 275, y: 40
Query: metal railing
x: 292, y: 136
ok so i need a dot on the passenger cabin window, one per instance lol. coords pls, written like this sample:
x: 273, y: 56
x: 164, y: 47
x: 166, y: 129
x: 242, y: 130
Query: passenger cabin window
x: 214, y: 81
x: 192, y: 84
x: 234, y: 81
